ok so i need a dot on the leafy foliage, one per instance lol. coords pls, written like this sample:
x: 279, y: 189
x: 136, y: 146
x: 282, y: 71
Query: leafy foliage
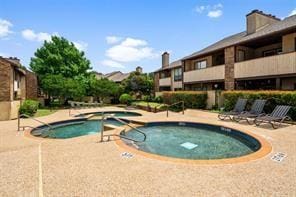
x: 138, y: 84
x: 192, y: 99
x: 29, y: 107
x: 126, y: 99
x: 273, y: 98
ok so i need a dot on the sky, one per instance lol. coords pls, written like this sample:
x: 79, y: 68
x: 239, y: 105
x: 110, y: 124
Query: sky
x: 124, y: 34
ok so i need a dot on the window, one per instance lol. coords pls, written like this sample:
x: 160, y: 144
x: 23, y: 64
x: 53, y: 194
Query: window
x: 178, y: 74
x: 200, y: 64
x: 241, y: 55
x: 272, y: 52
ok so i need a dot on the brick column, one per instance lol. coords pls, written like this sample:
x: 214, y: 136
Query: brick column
x: 31, y: 85
x: 229, y: 67
x: 5, y: 81
x: 156, y: 82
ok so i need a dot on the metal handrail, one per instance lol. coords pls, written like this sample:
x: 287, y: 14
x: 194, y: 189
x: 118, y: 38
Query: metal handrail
x: 173, y: 105
x: 122, y: 136
x: 25, y: 115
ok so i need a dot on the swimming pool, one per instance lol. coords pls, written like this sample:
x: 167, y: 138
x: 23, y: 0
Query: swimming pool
x: 194, y: 141
x: 73, y: 128
x: 116, y: 113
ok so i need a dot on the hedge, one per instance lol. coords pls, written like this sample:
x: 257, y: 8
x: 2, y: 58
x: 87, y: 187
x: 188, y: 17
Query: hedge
x: 273, y: 98
x: 192, y: 99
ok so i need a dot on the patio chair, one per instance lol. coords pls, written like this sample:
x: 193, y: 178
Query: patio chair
x: 238, y: 108
x: 276, y: 118
x: 256, y: 110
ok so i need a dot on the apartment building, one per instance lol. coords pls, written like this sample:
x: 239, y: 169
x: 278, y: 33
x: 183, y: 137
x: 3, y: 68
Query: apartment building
x: 262, y: 57
x: 16, y: 84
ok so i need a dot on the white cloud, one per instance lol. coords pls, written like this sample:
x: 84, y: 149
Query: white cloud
x: 293, y: 12
x: 130, y: 50
x: 213, y: 11
x: 5, y: 28
x: 80, y: 45
x: 113, y: 39
x: 112, y: 64
x: 29, y: 34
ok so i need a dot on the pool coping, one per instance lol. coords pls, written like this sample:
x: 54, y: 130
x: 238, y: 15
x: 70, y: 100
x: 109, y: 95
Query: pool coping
x: 264, y: 150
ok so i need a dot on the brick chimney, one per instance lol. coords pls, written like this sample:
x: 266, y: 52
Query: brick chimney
x: 165, y: 59
x: 139, y: 69
x: 257, y: 20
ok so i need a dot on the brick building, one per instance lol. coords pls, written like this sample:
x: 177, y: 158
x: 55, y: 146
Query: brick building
x: 16, y: 84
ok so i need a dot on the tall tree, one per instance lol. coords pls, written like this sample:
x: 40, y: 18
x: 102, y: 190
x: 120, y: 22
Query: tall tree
x: 59, y: 57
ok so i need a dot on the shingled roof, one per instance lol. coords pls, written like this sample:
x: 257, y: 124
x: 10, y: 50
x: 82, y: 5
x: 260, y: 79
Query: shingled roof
x: 288, y: 23
x: 174, y: 64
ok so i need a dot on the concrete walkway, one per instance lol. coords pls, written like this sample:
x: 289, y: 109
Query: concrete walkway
x: 84, y: 167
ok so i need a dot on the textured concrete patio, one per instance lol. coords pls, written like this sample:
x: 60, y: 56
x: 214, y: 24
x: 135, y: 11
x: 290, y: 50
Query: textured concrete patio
x: 84, y: 167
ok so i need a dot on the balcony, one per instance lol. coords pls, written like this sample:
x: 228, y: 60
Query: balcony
x: 165, y: 81
x: 207, y: 74
x: 266, y: 66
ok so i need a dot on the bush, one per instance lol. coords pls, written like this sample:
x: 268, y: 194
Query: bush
x: 29, y: 107
x: 192, y: 99
x: 126, y: 99
x: 273, y: 98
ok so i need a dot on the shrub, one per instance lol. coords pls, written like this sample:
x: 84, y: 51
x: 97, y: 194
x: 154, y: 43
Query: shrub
x: 126, y: 99
x: 29, y: 107
x: 273, y: 98
x: 192, y: 99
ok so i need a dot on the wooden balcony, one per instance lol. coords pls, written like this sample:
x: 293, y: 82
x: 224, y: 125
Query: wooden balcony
x: 266, y: 66
x: 165, y: 81
x: 207, y: 74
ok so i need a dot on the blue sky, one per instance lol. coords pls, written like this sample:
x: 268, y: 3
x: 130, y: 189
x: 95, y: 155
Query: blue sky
x: 123, y: 34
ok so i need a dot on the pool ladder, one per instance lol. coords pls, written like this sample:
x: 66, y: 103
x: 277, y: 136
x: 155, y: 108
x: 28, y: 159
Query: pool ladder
x: 121, y: 136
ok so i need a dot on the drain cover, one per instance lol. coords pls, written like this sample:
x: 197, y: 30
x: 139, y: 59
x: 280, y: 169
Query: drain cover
x: 188, y: 145
x: 278, y: 157
x: 126, y: 155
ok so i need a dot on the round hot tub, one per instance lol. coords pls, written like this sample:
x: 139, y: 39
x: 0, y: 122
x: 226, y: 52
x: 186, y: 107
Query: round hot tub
x: 193, y: 141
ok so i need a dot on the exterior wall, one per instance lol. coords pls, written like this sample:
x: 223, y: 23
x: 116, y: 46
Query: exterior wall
x: 229, y: 68
x: 156, y: 82
x: 189, y: 64
x: 266, y: 66
x: 31, y: 86
x: 206, y: 74
x: 288, y: 83
x: 289, y: 44
x: 249, y: 53
x: 259, y: 51
x: 5, y: 81
x: 10, y: 108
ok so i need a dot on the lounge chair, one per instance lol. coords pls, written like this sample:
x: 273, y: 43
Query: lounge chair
x: 256, y: 110
x: 238, y: 108
x: 278, y: 115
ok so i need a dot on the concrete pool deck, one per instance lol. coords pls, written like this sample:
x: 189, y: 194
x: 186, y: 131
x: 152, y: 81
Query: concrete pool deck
x: 84, y: 167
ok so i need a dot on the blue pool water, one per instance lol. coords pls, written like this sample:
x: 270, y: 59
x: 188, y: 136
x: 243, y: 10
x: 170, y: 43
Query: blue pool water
x: 73, y: 129
x: 194, y: 141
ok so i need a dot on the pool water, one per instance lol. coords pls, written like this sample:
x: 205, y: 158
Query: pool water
x: 74, y: 129
x: 192, y: 142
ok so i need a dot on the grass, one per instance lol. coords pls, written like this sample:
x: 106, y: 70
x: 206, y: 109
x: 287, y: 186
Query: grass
x: 44, y: 112
x: 151, y: 104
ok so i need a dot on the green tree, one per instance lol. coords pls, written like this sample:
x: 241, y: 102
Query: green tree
x: 138, y: 84
x: 62, y: 70
x: 59, y: 57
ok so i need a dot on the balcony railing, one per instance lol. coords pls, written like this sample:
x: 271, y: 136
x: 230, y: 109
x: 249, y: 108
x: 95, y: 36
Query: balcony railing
x: 266, y: 66
x: 207, y: 74
x: 165, y: 81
